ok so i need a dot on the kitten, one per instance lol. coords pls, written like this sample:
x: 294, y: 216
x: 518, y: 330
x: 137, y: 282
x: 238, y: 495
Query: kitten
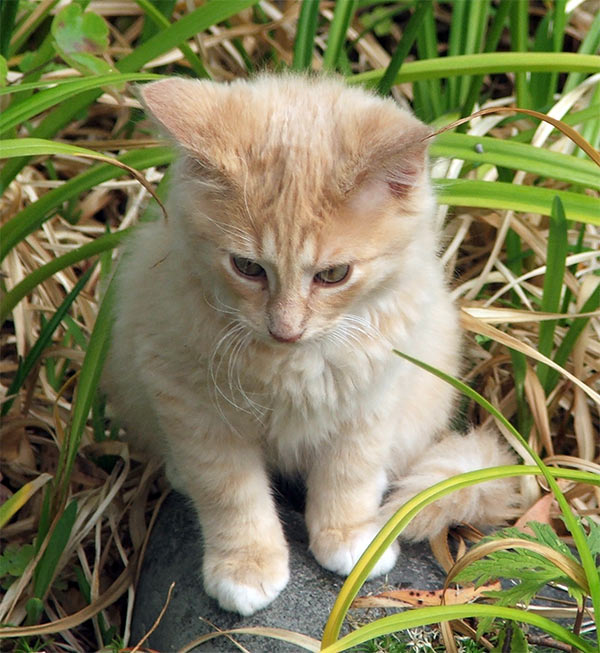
x: 254, y: 328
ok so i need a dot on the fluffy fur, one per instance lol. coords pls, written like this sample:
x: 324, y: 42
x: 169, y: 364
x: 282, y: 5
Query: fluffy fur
x: 227, y: 376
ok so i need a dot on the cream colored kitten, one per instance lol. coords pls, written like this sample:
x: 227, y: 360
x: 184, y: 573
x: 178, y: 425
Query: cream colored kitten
x: 254, y: 328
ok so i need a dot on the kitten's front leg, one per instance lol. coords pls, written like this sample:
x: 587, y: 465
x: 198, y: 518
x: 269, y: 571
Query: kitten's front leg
x: 345, y: 487
x: 245, y: 562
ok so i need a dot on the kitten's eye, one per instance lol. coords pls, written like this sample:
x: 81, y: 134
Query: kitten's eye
x: 247, y: 267
x: 336, y: 274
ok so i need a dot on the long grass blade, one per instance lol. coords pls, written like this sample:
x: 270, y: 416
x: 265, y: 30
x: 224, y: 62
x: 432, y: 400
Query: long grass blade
x: 430, y: 615
x: 33, y: 216
x: 306, y: 29
x: 406, y: 42
x: 498, y: 195
x: 43, y: 340
x: 553, y: 282
x: 87, y: 251
x: 43, y: 100
x: 209, y: 14
x: 485, y: 64
x: 342, y: 17
x: 89, y: 377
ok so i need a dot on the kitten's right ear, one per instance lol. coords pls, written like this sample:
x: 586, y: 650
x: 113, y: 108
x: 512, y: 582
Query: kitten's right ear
x: 186, y: 109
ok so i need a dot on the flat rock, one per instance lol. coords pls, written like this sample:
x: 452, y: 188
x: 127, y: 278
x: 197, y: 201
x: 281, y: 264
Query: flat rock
x: 175, y: 553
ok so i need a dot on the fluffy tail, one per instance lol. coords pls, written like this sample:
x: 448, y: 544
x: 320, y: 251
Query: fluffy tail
x: 486, y: 503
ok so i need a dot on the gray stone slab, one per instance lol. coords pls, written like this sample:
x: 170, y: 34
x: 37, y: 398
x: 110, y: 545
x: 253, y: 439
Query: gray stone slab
x: 175, y: 554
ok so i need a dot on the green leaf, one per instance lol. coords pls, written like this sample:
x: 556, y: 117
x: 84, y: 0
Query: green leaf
x: 517, y: 156
x: 342, y: 16
x: 46, y: 567
x: 44, y: 339
x: 485, y: 63
x: 16, y: 294
x: 305, y: 35
x: 406, y: 42
x: 20, y: 498
x: 431, y: 615
x: 34, y: 215
x: 209, y: 14
x: 8, y: 11
x: 15, y: 558
x: 553, y: 283
x: 18, y: 113
x: 498, y: 195
x: 89, y: 377
x: 79, y: 37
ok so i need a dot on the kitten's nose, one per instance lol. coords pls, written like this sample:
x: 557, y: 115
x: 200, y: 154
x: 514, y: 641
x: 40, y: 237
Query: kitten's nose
x: 287, y: 337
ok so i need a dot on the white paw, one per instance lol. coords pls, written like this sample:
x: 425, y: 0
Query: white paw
x: 340, y: 549
x: 243, y: 583
x: 245, y: 599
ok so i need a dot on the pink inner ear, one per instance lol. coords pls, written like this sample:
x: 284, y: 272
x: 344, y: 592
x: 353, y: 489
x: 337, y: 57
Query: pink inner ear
x: 399, y: 189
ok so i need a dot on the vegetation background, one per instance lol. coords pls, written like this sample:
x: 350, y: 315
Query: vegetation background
x: 520, y: 210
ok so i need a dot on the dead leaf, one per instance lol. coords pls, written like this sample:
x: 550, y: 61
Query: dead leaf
x: 414, y: 598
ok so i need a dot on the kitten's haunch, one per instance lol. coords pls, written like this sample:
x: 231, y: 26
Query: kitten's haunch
x: 253, y: 329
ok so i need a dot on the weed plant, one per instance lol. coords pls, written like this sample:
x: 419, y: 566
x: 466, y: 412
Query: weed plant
x: 520, y: 209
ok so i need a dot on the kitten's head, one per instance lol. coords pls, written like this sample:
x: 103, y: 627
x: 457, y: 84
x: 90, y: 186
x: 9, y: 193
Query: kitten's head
x: 296, y: 196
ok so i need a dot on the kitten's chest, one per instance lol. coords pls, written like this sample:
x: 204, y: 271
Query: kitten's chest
x: 313, y: 399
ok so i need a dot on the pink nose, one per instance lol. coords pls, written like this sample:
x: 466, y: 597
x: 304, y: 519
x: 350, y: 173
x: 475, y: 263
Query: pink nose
x: 287, y: 338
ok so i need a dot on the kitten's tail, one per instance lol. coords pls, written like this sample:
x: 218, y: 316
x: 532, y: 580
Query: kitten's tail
x: 492, y: 502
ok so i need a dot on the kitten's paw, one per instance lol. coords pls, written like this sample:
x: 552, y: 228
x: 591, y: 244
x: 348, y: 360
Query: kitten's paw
x: 338, y: 549
x: 243, y: 582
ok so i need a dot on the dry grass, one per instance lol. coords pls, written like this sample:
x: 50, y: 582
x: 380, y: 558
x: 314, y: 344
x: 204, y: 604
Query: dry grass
x: 117, y: 494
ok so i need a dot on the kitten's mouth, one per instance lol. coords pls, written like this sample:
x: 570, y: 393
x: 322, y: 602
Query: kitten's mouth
x: 286, y: 338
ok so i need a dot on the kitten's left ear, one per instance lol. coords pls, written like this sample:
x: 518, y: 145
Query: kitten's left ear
x: 186, y: 109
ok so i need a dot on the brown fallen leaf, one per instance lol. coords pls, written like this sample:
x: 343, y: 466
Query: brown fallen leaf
x: 419, y: 598
x: 540, y: 511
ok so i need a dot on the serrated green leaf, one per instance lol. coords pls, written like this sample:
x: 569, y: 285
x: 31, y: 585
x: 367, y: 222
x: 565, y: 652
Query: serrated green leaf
x: 15, y: 558
x: 593, y: 538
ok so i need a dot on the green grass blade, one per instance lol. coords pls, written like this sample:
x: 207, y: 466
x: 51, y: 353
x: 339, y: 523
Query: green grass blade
x: 98, y: 245
x: 398, y: 522
x: 22, y: 33
x: 159, y: 19
x: 89, y: 377
x: 58, y: 118
x: 34, y: 215
x: 46, y: 567
x: 306, y: 29
x: 428, y: 100
x: 8, y: 11
x: 570, y: 338
x: 209, y: 14
x: 18, y: 113
x: 492, y: 40
x: 14, y: 503
x: 485, y: 63
x: 556, y: 256
x: 43, y: 340
x: 342, y: 17
x: 406, y: 42
x: 466, y: 36
x: 519, y: 29
x: 407, y: 512
x: 517, y: 156
x: 431, y: 615
x: 587, y: 560
x: 589, y: 45
x: 498, y: 195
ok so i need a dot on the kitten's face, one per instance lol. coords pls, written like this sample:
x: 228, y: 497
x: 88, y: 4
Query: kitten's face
x: 298, y: 197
